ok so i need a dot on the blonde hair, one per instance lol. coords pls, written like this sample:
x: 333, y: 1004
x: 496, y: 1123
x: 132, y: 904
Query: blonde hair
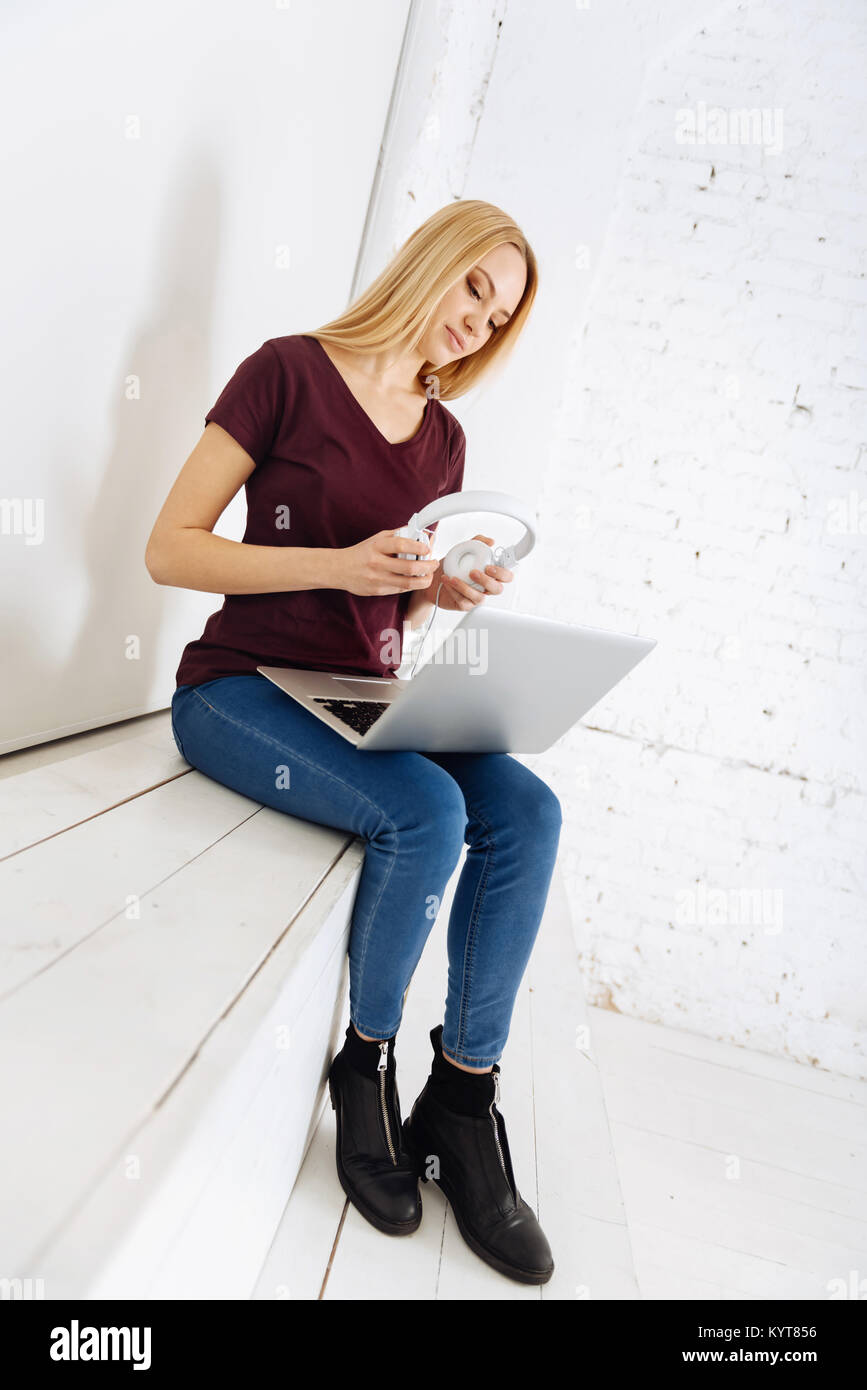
x: 396, y: 309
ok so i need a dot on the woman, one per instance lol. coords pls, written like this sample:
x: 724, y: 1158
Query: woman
x: 339, y: 436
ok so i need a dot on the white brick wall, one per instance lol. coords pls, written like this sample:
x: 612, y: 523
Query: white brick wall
x: 712, y: 420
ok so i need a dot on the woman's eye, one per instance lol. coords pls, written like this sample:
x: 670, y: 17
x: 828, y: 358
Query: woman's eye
x: 475, y: 293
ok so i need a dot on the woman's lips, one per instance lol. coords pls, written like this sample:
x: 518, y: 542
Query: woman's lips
x: 455, y: 339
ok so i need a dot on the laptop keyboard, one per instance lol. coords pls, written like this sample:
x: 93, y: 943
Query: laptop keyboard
x: 360, y: 715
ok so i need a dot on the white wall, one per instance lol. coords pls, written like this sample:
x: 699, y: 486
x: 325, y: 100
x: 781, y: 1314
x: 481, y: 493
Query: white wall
x: 691, y: 381
x: 711, y: 438
x: 712, y: 428
x: 181, y: 182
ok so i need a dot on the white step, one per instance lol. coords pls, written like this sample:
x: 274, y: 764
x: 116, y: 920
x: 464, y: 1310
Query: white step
x: 168, y: 1066
x: 52, y: 797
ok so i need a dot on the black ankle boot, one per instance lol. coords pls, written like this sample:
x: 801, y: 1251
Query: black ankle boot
x: 374, y: 1168
x: 458, y: 1138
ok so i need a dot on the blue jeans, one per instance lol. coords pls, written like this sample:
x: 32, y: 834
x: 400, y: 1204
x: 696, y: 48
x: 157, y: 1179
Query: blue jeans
x: 414, y: 811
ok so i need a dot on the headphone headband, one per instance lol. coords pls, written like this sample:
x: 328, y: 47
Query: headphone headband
x: 502, y: 502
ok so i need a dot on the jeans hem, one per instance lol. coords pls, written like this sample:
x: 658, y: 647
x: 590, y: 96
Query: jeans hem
x: 472, y: 1061
x: 376, y: 1033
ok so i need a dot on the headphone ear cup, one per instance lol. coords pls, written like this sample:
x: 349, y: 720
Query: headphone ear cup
x: 466, y: 556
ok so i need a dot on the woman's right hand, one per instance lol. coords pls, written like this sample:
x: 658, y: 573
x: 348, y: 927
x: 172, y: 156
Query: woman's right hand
x: 372, y: 568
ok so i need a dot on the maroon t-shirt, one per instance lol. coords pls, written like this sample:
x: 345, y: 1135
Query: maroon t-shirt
x: 324, y: 477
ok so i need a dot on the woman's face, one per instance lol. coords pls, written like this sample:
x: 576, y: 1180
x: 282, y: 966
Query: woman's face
x: 477, y: 307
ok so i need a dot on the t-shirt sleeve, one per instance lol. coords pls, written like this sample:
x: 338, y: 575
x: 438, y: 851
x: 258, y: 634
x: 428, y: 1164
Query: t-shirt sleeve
x: 251, y: 405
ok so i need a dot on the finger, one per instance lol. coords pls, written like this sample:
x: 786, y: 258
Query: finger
x: 419, y: 572
x: 401, y: 583
x: 500, y: 572
x: 392, y: 544
x: 419, y: 557
x: 456, y: 602
x: 462, y: 590
x: 492, y: 586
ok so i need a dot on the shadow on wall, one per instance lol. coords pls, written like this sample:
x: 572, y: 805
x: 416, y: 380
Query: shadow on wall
x: 169, y: 355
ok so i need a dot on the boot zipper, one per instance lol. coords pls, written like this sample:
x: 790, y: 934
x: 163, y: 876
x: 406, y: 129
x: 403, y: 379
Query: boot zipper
x: 381, y: 1067
x: 494, y: 1123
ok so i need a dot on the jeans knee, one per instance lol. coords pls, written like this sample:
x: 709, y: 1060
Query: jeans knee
x: 547, y: 811
x: 446, y: 819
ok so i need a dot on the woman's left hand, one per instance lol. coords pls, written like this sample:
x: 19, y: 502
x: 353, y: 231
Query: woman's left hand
x: 457, y: 595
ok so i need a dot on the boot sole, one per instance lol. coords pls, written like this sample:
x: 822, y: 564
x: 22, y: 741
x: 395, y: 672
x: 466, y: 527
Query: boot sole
x: 388, y: 1228
x: 521, y: 1276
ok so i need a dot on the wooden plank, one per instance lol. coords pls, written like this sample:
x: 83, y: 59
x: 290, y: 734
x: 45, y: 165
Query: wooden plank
x: 780, y: 1224
x: 219, y: 1155
x: 799, y: 1203
x: 580, y: 1197
x: 742, y: 1275
x: 297, y: 1261
x: 101, y: 1036
x: 650, y: 1104
x: 157, y: 725
x: 59, y: 892
x: 617, y: 1031
x: 660, y: 1283
x: 736, y: 1077
x: 723, y: 1214
x: 55, y: 797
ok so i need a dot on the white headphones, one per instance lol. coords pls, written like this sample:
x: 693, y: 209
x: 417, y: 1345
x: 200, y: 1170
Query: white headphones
x: 472, y: 555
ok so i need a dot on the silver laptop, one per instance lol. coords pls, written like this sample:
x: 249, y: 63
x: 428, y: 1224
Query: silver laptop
x: 500, y: 682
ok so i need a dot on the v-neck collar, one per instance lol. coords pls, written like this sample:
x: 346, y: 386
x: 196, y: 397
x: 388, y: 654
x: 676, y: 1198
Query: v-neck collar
x: 360, y: 410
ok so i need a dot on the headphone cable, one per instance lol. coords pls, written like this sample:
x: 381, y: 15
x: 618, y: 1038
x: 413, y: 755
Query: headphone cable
x: 427, y: 628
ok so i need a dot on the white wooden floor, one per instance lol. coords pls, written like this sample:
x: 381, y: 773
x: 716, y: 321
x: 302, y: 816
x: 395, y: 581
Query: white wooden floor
x: 662, y: 1165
